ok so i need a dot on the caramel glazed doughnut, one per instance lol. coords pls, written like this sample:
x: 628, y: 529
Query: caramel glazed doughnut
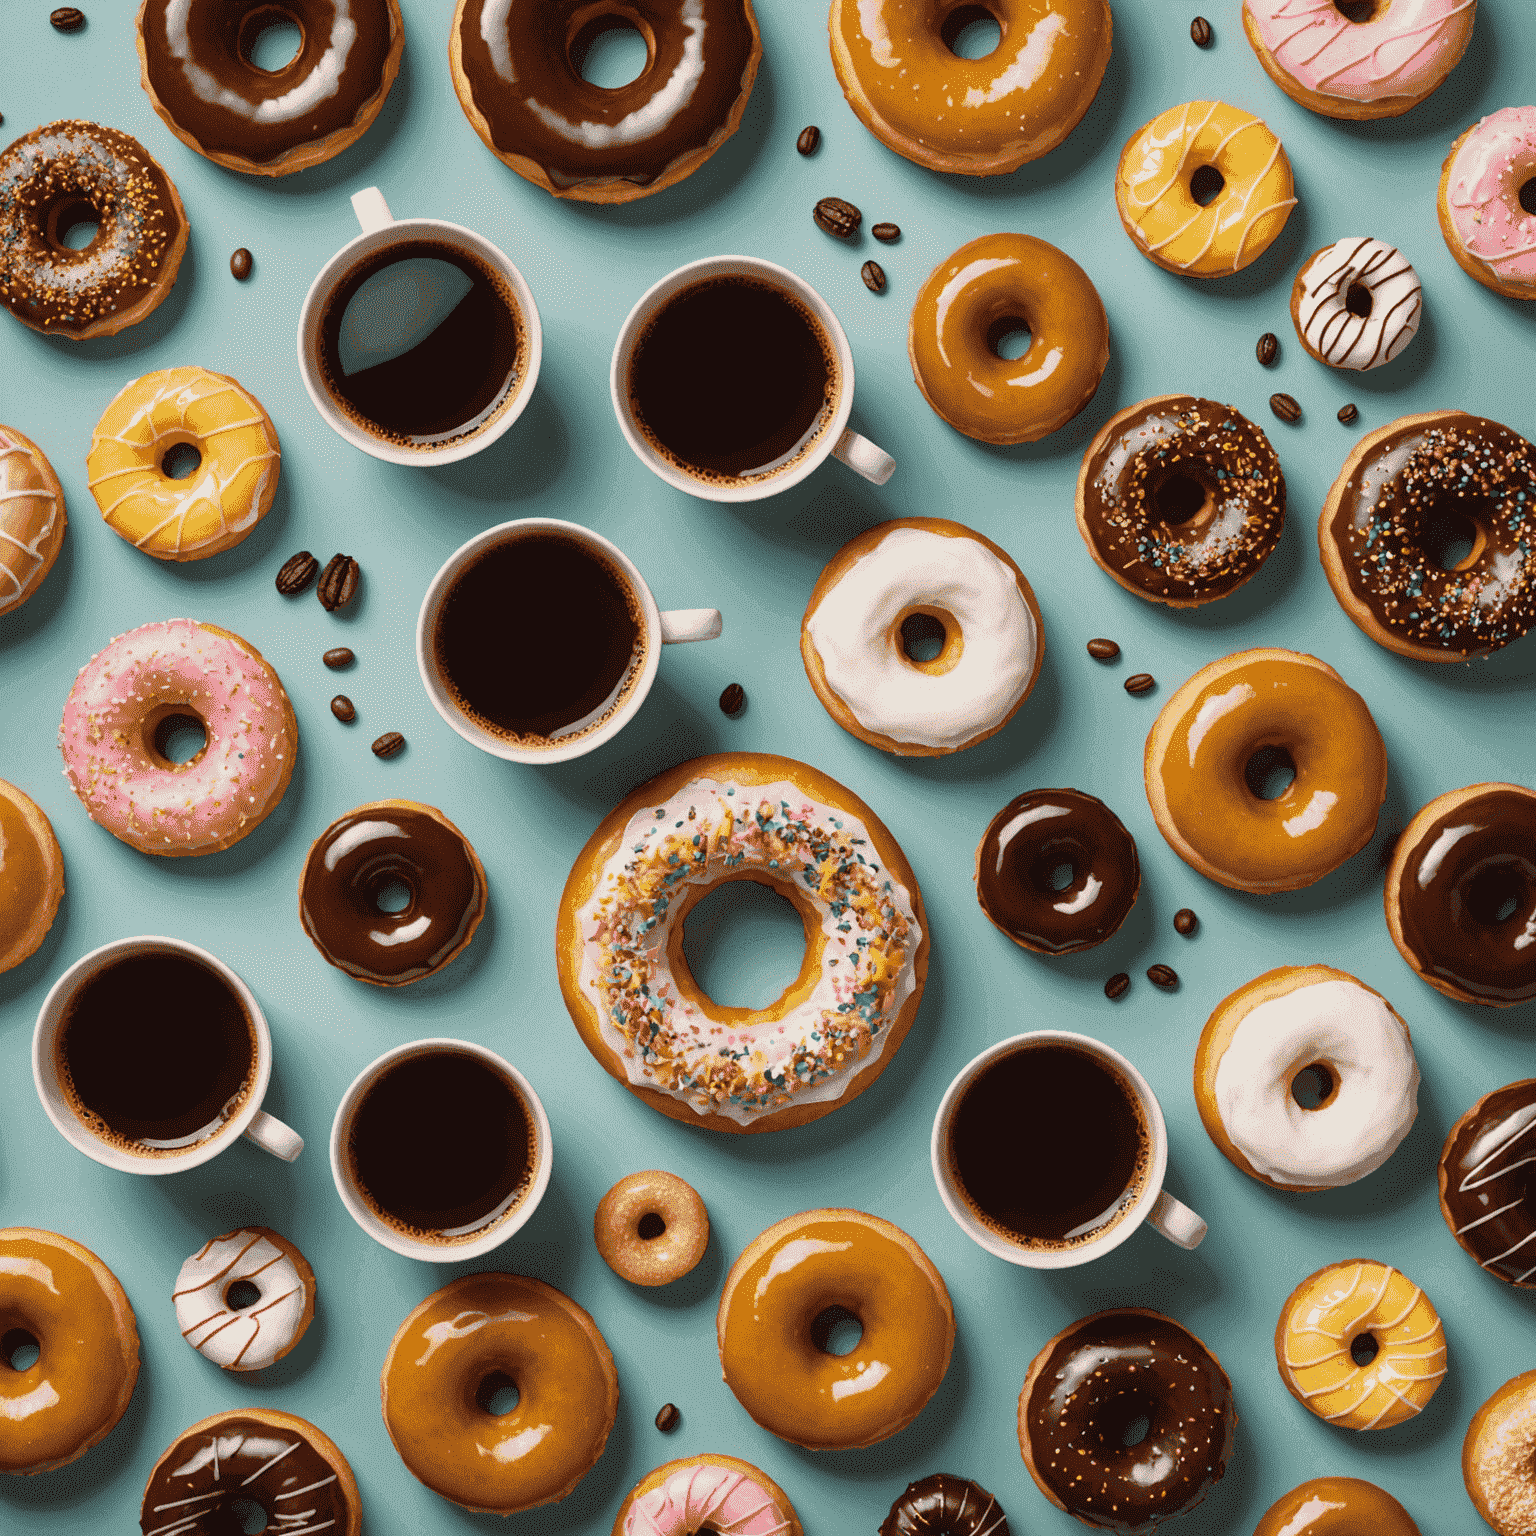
x: 31, y: 876
x: 707, y: 1493
x: 1498, y: 1455
x: 1336, y: 1506
x: 32, y: 518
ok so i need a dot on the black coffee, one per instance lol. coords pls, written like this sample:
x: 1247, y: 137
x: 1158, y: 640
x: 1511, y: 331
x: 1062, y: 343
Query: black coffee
x: 441, y: 1145
x: 539, y: 639
x: 732, y: 378
x: 421, y: 344
x: 1049, y: 1146
x: 156, y: 1053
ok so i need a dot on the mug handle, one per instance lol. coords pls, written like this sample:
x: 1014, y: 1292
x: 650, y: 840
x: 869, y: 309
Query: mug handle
x: 858, y: 453
x: 1176, y: 1221
x: 372, y: 211
x: 683, y: 624
x: 271, y: 1135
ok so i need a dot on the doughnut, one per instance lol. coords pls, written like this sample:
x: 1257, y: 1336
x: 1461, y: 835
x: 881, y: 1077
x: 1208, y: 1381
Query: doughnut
x: 1485, y: 202
x: 1461, y: 894
x: 942, y: 1504
x: 360, y: 857
x: 784, y: 1295
x: 854, y: 646
x: 1408, y: 491
x: 74, y: 172
x: 217, y: 1319
x: 452, y: 1356
x: 970, y: 302
x: 63, y: 1299
x: 1306, y: 1019
x: 294, y: 1473
x: 517, y: 70
x: 1360, y: 1345
x: 625, y: 978
x: 651, y: 1228
x: 977, y: 117
x: 1356, y: 303
x: 1090, y: 1383
x: 1381, y: 65
x: 1180, y: 500
x: 1336, y: 1506
x: 707, y: 1493
x: 1024, y: 846
x: 127, y: 695
x: 31, y: 876
x: 230, y: 487
x: 1204, y: 189
x: 32, y: 518
x: 1487, y: 1180
x: 1203, y: 743
x: 195, y: 63
x: 1498, y: 1457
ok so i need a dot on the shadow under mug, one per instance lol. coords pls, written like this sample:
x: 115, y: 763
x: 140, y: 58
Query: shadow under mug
x: 836, y: 438
x: 250, y: 1121
x: 1152, y: 1205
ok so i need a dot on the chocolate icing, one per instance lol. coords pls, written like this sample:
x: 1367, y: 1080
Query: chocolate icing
x: 1025, y: 843
x: 1488, y: 1182
x: 1462, y: 870
x: 944, y: 1505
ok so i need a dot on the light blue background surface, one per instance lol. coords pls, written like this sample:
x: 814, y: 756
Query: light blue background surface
x: 1444, y: 727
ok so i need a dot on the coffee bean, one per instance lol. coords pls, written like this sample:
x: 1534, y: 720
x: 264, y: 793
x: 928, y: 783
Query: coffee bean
x: 1268, y: 348
x: 68, y: 18
x: 1285, y: 407
x: 1200, y: 32
x: 1185, y: 921
x: 734, y: 699
x: 1140, y: 682
x: 837, y: 217
x: 874, y: 276
x: 1103, y: 650
x: 667, y: 1416
x: 240, y: 264
x: 338, y: 582
x: 809, y: 141
x: 389, y: 744
x: 1163, y: 976
x: 341, y: 656
x: 344, y: 710
x: 887, y: 234
x: 297, y: 573
x: 1347, y: 413
x: 1117, y: 986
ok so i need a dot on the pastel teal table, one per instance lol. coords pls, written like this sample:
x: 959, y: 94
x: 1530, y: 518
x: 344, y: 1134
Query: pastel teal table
x: 1444, y: 727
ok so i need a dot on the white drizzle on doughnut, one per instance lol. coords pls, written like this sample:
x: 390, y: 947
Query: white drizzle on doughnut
x: 29, y: 516
x: 1346, y: 340
x: 250, y: 1338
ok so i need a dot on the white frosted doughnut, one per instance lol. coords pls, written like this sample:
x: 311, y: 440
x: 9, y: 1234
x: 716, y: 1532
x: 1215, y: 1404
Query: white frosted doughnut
x: 1324, y: 321
x: 245, y: 1338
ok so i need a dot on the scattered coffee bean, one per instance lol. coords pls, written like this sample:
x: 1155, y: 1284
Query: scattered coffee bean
x: 68, y: 18
x: 340, y: 656
x: 1347, y: 413
x: 1185, y: 921
x: 1268, y: 348
x: 667, y: 1416
x: 1162, y: 976
x: 389, y: 744
x: 886, y: 234
x: 297, y: 573
x: 240, y: 264
x: 1140, y: 682
x: 344, y: 710
x: 874, y: 276
x: 809, y: 141
x: 1103, y: 650
x: 838, y: 217
x: 1117, y: 986
x: 1200, y: 32
x: 734, y: 699
x: 338, y: 582
x: 1285, y: 407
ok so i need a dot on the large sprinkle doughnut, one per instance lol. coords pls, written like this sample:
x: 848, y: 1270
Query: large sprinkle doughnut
x: 1336, y: 1506
x: 707, y: 1493
x: 1487, y: 192
x: 971, y: 301
x: 32, y: 519
x: 245, y: 1299
x: 651, y: 1228
x: 856, y: 653
x: 1306, y: 1019
x: 1498, y: 1457
x: 781, y: 1299
x: 31, y: 876
x: 1356, y: 303
x: 148, y: 679
x: 619, y: 943
x: 1487, y: 1180
x: 942, y: 1504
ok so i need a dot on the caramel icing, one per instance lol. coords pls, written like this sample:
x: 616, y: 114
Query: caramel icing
x: 1488, y: 1182
x: 1336, y: 1506
x: 29, y: 883
x: 32, y: 519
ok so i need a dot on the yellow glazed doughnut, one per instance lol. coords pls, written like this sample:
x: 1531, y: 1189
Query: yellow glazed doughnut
x: 225, y: 496
x: 31, y: 876
x: 1498, y: 1457
x: 32, y: 518
x: 651, y: 1228
x: 1191, y: 151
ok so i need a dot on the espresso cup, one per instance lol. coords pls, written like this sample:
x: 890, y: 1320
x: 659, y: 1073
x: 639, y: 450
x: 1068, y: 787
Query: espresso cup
x: 448, y: 306
x: 129, y: 1089
x: 440, y: 1150
x: 468, y: 645
x: 828, y: 431
x: 1080, y: 1197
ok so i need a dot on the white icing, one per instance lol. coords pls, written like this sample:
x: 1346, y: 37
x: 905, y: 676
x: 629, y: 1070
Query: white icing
x: 251, y: 1338
x: 1346, y: 340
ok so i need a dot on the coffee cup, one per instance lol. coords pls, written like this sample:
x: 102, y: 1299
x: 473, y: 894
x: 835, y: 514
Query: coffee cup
x: 538, y: 640
x: 732, y: 380
x: 419, y: 341
x: 440, y: 1150
x: 1049, y: 1150
x: 152, y: 1056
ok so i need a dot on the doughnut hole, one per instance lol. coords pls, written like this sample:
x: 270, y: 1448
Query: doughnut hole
x: 1497, y: 892
x: 971, y: 32
x: 393, y: 895
x: 1125, y: 1423
x: 73, y: 225
x: 271, y: 38
x: 1357, y: 300
x: 248, y: 1517
x: 1269, y: 772
x: 1315, y: 1086
x: 19, y: 1350
x: 180, y: 461
x: 929, y: 639
x: 650, y: 1227
x: 175, y: 736
x: 1450, y: 532
x: 1009, y: 337
x: 739, y: 942
x: 1527, y: 196
x: 1182, y: 502
x: 1363, y: 1348
x: 1360, y: 11
x: 1206, y: 185
x: 241, y: 1295
x: 836, y: 1331
x: 609, y: 46
x: 497, y: 1394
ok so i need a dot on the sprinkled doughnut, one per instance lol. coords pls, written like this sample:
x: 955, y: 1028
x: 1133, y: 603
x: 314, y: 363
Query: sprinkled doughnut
x: 32, y: 519
x: 651, y: 1228
x: 1486, y: 1181
x: 31, y: 876
x: 1498, y: 1457
x: 1487, y: 189
x: 707, y: 1493
x: 942, y: 1504
x: 245, y: 1299
x: 1336, y: 1506
x: 1356, y: 303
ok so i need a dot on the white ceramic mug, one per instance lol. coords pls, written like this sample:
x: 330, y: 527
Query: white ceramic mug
x: 250, y: 1120
x: 380, y: 231
x: 1153, y: 1203
x: 494, y: 1235
x: 869, y: 460
x: 671, y: 628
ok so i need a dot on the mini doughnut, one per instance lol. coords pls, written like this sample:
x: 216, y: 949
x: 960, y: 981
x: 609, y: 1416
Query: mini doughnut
x: 31, y: 876
x: 1381, y: 65
x: 195, y: 59
x: 139, y: 685
x: 651, y: 1228
x: 1356, y: 303
x: 1487, y: 1182
x: 1336, y: 1506
x: 1498, y: 1456
x: 1090, y: 1383
x: 971, y: 301
x: 1180, y: 500
x: 217, y: 1320
x: 479, y: 1334
x: 1360, y: 1345
x: 707, y: 1493
x: 1405, y: 494
x: 944, y: 1505
x: 1204, y: 189
x: 517, y: 71
x: 855, y: 648
x: 228, y: 491
x: 363, y: 854
x: 977, y: 117
x: 1461, y: 894
x: 1306, y: 1019
x: 790, y: 1286
x: 1487, y: 187
x: 626, y: 982
x: 1210, y: 731
x: 32, y: 518
x: 59, y: 1296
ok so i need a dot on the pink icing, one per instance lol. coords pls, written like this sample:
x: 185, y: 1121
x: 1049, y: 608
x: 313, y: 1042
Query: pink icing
x: 204, y: 802
x: 732, y: 1503
x: 1482, y: 194
x: 1406, y: 51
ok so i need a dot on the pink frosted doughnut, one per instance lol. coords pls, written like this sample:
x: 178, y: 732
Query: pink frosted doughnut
x: 122, y: 700
x: 1482, y: 216
x: 707, y: 1493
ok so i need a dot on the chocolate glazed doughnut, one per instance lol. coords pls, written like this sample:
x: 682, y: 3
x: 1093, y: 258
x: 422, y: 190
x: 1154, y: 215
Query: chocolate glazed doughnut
x: 1488, y: 1182
x: 942, y: 1504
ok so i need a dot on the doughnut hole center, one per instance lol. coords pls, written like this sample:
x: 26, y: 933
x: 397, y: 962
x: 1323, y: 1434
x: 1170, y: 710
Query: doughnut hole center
x: 1359, y: 11
x: 240, y: 1295
x: 1127, y: 1423
x: 929, y: 640
x: 73, y: 225
x: 19, y: 1349
x: 497, y: 1395
x: 271, y: 38
x: 1270, y: 772
x: 1527, y: 196
x: 1496, y: 894
x: 248, y: 1517
x: 836, y: 1331
x: 175, y: 737
x: 650, y: 1227
x: 1451, y: 535
x: 1206, y: 185
x: 1179, y: 499
x: 610, y: 46
x: 971, y: 32
x: 393, y: 896
x: 745, y: 944
x: 180, y: 461
x: 1314, y: 1086
x: 1357, y: 300
x: 1009, y: 337
x: 1363, y: 1348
